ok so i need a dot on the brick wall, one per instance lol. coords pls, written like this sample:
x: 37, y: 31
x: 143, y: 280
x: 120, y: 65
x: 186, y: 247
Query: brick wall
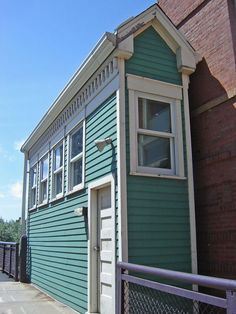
x: 214, y: 153
x: 211, y: 30
x: 210, y: 27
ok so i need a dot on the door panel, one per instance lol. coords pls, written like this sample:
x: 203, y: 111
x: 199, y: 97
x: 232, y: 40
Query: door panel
x: 105, y: 260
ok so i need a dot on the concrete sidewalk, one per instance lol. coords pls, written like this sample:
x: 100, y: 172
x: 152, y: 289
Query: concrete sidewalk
x: 19, y: 298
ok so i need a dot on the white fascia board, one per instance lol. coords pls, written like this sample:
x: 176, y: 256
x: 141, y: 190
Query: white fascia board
x: 186, y: 56
x: 98, y: 55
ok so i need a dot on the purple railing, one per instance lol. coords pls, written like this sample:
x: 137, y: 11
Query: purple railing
x: 9, y: 258
x: 143, y: 289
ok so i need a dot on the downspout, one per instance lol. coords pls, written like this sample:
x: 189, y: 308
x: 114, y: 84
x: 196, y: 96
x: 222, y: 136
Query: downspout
x: 24, y: 196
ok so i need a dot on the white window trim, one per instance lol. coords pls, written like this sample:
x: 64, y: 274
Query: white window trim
x: 30, y: 188
x: 71, y: 189
x: 55, y: 196
x: 156, y: 90
x: 44, y: 202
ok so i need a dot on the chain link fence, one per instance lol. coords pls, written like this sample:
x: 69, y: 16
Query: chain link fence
x: 170, y: 292
x: 143, y: 300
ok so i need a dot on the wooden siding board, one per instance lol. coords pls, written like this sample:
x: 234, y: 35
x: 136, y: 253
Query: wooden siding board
x: 158, y: 209
x: 57, y: 238
x: 149, y: 51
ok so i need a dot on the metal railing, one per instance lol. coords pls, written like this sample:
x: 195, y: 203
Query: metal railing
x: 138, y: 295
x: 9, y: 258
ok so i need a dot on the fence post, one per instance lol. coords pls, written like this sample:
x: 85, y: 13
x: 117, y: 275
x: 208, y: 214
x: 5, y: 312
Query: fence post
x: 231, y: 301
x: 10, y: 260
x: 119, y: 303
x: 3, y: 258
x: 23, y: 259
x: 16, y: 261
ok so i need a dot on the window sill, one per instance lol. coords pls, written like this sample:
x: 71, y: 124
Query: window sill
x: 42, y: 204
x: 32, y: 208
x: 161, y: 176
x: 75, y: 189
x: 57, y: 198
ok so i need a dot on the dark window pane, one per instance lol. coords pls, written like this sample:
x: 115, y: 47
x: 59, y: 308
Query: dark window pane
x: 33, y: 197
x: 77, y: 172
x: 154, y: 115
x: 154, y: 152
x: 44, y: 170
x: 58, y: 157
x: 77, y: 143
x: 58, y: 179
x: 44, y: 191
x: 33, y: 177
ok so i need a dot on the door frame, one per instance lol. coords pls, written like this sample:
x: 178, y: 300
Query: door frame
x: 93, y: 187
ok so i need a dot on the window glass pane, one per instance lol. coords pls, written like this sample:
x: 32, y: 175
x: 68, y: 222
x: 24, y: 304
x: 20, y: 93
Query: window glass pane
x: 33, y: 197
x: 44, y: 170
x: 44, y: 191
x: 58, y: 182
x: 154, y: 115
x: 77, y: 172
x: 58, y: 157
x: 154, y: 152
x: 33, y: 177
x: 77, y: 143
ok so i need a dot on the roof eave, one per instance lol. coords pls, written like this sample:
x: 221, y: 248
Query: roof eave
x: 97, y: 56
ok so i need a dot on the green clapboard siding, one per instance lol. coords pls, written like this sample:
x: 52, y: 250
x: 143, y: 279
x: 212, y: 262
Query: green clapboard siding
x: 57, y: 238
x: 153, y: 58
x: 158, y: 209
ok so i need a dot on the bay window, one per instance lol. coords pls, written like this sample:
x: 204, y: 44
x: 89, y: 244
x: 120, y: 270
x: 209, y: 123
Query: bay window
x: 156, y: 141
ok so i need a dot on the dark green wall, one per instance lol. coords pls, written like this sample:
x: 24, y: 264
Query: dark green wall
x: 58, y: 238
x: 158, y: 209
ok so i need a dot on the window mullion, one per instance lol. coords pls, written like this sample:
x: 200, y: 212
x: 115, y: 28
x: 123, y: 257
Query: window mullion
x: 155, y: 133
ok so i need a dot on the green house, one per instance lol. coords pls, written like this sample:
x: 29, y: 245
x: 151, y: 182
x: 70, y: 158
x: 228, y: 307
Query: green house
x: 108, y: 169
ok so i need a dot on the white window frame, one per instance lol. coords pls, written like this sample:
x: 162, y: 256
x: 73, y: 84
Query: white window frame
x: 54, y: 172
x: 81, y: 155
x: 139, y: 87
x: 42, y: 181
x: 33, y: 187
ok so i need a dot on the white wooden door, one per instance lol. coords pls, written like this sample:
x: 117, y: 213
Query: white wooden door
x: 105, y: 252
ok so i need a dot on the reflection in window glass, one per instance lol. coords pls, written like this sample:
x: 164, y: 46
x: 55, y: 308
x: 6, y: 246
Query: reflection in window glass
x: 58, y: 157
x: 77, y: 143
x: 154, y: 115
x: 77, y: 171
x: 44, y: 169
x: 154, y: 152
x: 76, y: 159
x: 58, y: 182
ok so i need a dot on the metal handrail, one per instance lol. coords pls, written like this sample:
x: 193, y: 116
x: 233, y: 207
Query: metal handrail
x: 128, y: 273
x: 9, y: 263
x: 205, y: 281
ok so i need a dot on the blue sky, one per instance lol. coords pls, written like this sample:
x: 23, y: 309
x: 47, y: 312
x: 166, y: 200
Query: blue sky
x: 42, y: 44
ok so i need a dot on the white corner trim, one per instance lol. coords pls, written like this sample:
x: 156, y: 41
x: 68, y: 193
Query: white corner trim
x: 150, y: 86
x: 126, y: 48
x: 92, y: 232
x: 185, y: 79
x: 121, y: 166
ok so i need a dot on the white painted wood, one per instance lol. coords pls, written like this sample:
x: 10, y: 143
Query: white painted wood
x: 186, y: 58
x: 185, y: 79
x: 150, y: 86
x: 98, y: 55
x: 121, y: 166
x: 104, y: 235
x: 101, y: 264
